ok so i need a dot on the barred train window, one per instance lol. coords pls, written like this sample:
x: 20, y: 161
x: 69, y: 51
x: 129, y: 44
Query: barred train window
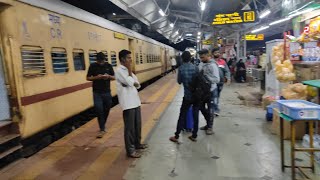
x: 78, y: 60
x: 106, y: 54
x: 113, y: 58
x: 59, y: 60
x: 137, y: 58
x: 141, y: 60
x: 92, y: 56
x: 33, y: 64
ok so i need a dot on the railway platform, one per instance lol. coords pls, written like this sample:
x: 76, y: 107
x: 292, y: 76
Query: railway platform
x: 242, y: 147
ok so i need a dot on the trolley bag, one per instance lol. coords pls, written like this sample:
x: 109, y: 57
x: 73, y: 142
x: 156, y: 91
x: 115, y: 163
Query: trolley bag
x: 189, y: 120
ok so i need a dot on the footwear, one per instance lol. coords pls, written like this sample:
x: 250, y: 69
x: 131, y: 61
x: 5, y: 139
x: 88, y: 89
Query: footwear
x: 135, y: 154
x: 216, y: 114
x: 209, y: 131
x: 204, y: 128
x: 101, y: 134
x: 193, y: 139
x: 174, y: 139
x: 142, y: 146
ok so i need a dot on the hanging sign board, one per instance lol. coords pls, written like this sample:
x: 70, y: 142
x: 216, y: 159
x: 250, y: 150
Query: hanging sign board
x: 235, y: 18
x: 254, y: 37
x: 119, y: 36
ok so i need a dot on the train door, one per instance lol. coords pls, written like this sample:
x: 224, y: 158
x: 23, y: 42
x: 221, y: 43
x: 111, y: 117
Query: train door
x: 166, y: 53
x: 4, y: 100
x: 131, y: 48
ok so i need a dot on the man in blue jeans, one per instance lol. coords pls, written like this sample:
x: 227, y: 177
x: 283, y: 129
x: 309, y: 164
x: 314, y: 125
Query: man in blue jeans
x: 186, y: 74
x: 224, y: 72
x: 101, y: 73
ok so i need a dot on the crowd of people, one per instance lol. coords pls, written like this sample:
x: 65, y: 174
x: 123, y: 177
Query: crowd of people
x: 202, y: 80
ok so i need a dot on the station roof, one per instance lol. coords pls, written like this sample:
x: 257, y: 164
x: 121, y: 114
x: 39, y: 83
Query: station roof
x: 180, y: 18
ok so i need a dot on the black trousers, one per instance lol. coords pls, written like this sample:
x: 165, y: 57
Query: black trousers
x: 186, y: 104
x: 132, y: 129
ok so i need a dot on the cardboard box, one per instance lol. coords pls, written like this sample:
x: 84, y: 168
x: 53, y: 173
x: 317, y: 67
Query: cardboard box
x: 300, y: 127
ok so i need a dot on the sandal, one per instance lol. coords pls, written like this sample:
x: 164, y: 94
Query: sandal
x: 174, y: 139
x: 142, y: 146
x: 135, y: 155
x: 193, y: 139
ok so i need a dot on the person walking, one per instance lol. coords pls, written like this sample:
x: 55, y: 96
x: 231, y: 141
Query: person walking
x: 101, y: 73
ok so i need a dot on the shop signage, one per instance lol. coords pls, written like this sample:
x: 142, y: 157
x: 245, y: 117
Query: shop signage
x: 254, y: 37
x: 235, y: 18
x: 119, y: 36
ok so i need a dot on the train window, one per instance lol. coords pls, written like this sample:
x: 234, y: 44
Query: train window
x: 113, y: 58
x: 147, y: 58
x: 78, y: 60
x: 33, y: 64
x: 106, y: 54
x: 92, y: 56
x: 137, y: 58
x: 59, y: 60
x: 141, y: 58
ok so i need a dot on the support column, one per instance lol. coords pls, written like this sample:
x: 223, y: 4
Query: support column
x: 238, y: 45
x: 244, y: 45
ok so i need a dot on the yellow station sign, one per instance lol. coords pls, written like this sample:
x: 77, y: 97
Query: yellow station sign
x: 235, y: 18
x: 119, y: 36
x: 207, y: 42
x: 254, y: 37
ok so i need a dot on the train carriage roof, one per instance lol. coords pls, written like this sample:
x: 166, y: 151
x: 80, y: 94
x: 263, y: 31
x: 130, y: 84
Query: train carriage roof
x: 66, y: 9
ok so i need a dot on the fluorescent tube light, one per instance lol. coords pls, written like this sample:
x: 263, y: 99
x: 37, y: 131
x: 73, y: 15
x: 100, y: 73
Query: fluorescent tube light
x: 161, y: 12
x: 203, y: 6
x: 279, y: 21
x: 171, y: 25
x: 260, y: 29
x: 264, y: 14
x: 301, y: 12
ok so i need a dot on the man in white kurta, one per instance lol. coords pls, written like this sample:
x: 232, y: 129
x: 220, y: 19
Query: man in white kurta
x: 129, y: 100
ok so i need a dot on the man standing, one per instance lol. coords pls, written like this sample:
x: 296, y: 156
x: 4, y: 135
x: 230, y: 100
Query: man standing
x: 224, y: 72
x: 186, y: 75
x: 211, y: 73
x: 129, y: 100
x: 101, y: 73
x: 173, y: 65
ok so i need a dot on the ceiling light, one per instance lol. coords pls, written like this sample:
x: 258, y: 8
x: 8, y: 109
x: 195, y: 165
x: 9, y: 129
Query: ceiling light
x: 181, y: 39
x: 203, y: 6
x: 171, y: 25
x: 161, y: 12
x: 180, y: 36
x: 199, y: 37
x: 114, y: 14
x: 301, y: 12
x: 260, y: 29
x: 189, y: 34
x: 302, y: 7
x: 199, y: 33
x: 198, y: 41
x: 264, y: 14
x: 279, y: 21
x: 177, y: 32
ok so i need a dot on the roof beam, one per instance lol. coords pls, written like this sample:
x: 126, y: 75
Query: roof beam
x: 190, y: 19
x: 135, y: 3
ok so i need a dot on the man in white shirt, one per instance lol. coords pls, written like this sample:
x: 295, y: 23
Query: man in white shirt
x: 173, y: 64
x: 129, y: 100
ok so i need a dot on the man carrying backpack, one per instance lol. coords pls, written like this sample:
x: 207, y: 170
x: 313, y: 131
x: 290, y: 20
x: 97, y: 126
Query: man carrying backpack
x: 187, y: 74
x: 210, y: 72
x: 224, y: 73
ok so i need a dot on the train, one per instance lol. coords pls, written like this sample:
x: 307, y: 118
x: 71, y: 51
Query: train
x: 46, y: 48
